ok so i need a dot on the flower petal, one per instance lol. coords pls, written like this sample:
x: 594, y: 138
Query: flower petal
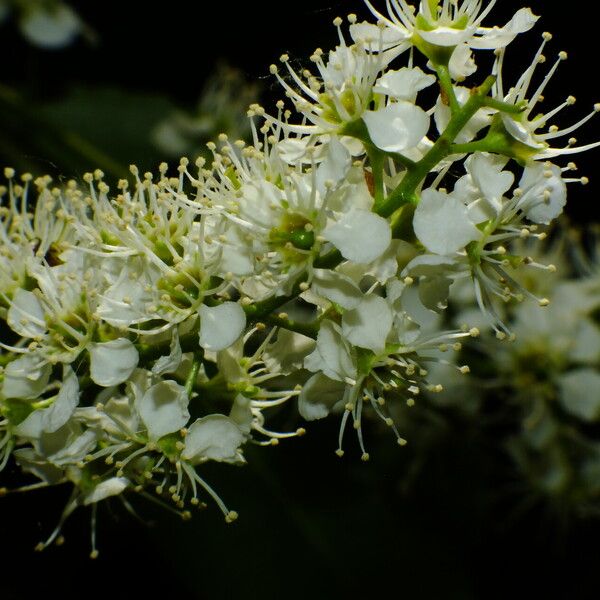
x: 579, y: 393
x: 111, y: 487
x: 332, y: 354
x: 26, y: 315
x: 318, y: 396
x: 215, y: 437
x: 403, y: 84
x: 442, y: 223
x: 361, y: 236
x: 397, y: 127
x: 499, y: 37
x: 170, y: 363
x: 544, y: 193
x: 369, y: 324
x: 26, y: 377
x: 164, y: 409
x: 336, y: 288
x: 111, y: 363
x: 487, y: 174
x: 53, y: 417
x: 221, y: 326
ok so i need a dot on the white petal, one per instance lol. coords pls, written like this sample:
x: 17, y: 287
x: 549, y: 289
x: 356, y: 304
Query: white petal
x: 369, y: 324
x: 241, y: 413
x: 442, y: 224
x: 26, y: 315
x: 111, y: 487
x: 545, y: 193
x: 288, y: 352
x: 487, y: 174
x: 336, y: 288
x: 31, y: 462
x: 52, y: 418
x: 361, y: 236
x: 111, y: 363
x: 318, y: 396
x: 76, y: 445
x: 335, y: 167
x: 446, y: 36
x: 500, y: 37
x: 169, y: 364
x: 332, y: 355
x: 397, y: 127
x: 164, y: 409
x: 415, y: 309
x: 373, y: 36
x: 50, y: 28
x: 586, y: 348
x: 462, y: 64
x: 579, y: 393
x: 215, y: 437
x: 221, y: 326
x: 403, y: 84
x: 26, y: 377
x: 124, y: 301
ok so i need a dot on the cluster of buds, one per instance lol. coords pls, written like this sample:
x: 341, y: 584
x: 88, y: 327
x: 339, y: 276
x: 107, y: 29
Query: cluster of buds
x: 151, y: 328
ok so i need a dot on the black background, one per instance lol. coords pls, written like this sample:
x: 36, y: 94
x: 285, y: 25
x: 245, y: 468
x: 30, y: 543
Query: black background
x: 311, y: 525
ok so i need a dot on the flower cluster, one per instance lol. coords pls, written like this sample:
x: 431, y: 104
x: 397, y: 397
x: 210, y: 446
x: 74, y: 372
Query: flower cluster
x: 155, y: 326
x: 543, y: 384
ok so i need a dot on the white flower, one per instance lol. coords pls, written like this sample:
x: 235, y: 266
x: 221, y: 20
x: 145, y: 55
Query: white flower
x: 340, y: 93
x: 524, y: 126
x: 544, y: 192
x: 449, y: 25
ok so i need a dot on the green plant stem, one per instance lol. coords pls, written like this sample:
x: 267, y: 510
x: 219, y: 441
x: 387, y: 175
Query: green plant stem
x: 377, y: 161
x: 308, y: 329
x: 193, y: 374
x: 445, y: 81
x: 406, y: 191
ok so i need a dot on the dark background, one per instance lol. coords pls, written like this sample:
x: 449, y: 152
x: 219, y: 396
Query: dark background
x: 444, y: 518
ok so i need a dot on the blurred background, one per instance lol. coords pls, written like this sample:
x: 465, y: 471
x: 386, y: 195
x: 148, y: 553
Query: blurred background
x: 452, y: 515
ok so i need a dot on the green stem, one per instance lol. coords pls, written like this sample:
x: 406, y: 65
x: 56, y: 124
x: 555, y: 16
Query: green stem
x: 506, y: 107
x: 469, y: 147
x: 308, y: 329
x: 329, y: 261
x: 193, y: 374
x: 447, y: 87
x: 260, y: 310
x: 377, y: 161
x: 406, y: 191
